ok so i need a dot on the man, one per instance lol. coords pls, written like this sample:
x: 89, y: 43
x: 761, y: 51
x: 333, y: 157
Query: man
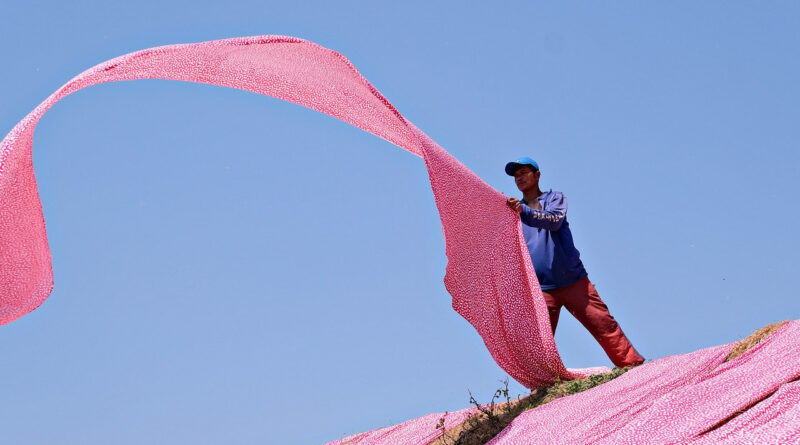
x: 558, y: 266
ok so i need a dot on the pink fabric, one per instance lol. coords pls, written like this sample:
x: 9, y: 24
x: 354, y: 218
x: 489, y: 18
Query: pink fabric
x: 774, y: 420
x: 696, y: 398
x: 679, y: 399
x: 590, y: 416
x: 489, y: 273
x: 421, y: 430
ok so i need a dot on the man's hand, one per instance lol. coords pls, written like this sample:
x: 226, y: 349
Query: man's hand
x: 514, y: 204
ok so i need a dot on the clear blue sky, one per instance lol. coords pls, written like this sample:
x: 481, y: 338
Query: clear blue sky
x: 233, y: 269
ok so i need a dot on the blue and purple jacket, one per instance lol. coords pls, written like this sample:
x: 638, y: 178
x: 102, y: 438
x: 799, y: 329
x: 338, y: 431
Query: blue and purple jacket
x: 555, y: 259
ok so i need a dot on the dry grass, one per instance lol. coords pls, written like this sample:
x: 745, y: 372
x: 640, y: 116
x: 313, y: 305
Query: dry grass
x: 754, y: 339
x: 482, y: 427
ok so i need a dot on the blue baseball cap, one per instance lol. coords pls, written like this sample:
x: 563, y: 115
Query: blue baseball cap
x: 513, y: 166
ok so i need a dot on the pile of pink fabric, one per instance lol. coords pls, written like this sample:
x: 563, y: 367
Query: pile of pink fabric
x: 693, y: 398
x: 696, y: 398
x: 489, y: 272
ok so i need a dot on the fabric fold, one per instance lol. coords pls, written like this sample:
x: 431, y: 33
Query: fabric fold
x: 489, y: 273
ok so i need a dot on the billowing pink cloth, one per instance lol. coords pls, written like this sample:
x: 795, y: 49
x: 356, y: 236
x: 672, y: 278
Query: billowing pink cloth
x: 696, y: 398
x: 489, y: 272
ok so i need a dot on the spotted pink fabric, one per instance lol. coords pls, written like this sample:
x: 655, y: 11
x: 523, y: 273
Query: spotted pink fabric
x: 422, y: 430
x: 693, y: 399
x: 775, y: 419
x: 589, y: 417
x: 489, y: 272
x: 696, y: 398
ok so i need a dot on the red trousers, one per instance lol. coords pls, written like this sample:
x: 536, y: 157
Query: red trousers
x: 583, y: 302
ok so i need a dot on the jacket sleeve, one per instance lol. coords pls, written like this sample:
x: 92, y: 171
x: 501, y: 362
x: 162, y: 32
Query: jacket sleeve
x: 550, y: 217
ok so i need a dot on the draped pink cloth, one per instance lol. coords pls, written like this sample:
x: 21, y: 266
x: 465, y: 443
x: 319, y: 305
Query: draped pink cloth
x: 489, y: 272
x: 693, y: 399
x: 775, y: 419
x: 422, y: 430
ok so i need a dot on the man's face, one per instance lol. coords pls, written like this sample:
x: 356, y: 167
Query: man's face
x: 526, y: 178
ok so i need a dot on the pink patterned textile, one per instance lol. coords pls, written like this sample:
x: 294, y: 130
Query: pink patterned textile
x: 489, y: 272
x: 773, y: 420
x: 422, y: 430
x: 589, y: 416
x: 691, y: 398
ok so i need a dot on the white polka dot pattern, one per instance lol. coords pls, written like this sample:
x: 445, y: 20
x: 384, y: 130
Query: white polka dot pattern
x: 489, y: 272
